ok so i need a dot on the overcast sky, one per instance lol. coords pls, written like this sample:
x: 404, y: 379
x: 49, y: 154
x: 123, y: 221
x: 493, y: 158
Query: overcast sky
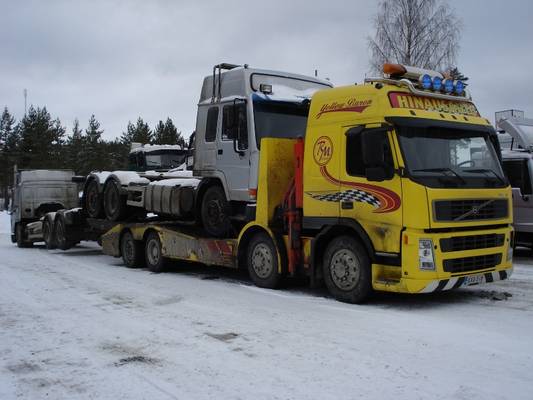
x: 124, y: 59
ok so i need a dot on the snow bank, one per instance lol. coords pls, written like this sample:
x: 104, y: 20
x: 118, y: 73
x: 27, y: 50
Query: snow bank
x: 5, y: 222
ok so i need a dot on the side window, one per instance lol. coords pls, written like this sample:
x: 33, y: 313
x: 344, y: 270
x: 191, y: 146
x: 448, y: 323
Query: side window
x: 518, y: 174
x: 355, y: 165
x: 354, y: 155
x: 211, y: 126
x: 234, y: 124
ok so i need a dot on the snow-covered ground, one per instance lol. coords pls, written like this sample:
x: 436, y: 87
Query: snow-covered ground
x: 79, y: 325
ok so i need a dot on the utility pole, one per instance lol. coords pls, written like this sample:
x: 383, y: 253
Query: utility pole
x: 25, y: 101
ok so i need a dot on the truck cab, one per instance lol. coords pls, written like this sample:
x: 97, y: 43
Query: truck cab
x: 146, y: 157
x: 36, y: 193
x: 239, y: 106
x: 517, y: 161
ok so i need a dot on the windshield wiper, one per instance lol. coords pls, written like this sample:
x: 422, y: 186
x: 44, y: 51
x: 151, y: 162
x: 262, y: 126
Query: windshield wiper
x: 484, y: 171
x: 444, y: 169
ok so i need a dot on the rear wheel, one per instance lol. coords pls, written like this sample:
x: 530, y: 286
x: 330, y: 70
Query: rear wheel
x: 154, y: 253
x: 49, y: 233
x: 262, y: 260
x: 347, y: 270
x: 62, y: 239
x: 114, y: 202
x: 93, y: 200
x: 215, y: 212
x: 132, y: 251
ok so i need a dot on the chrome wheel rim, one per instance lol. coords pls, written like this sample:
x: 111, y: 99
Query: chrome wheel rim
x: 345, y: 269
x: 262, y: 261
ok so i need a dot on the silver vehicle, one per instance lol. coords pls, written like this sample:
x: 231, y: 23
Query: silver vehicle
x: 238, y: 107
x: 36, y: 193
x: 517, y: 155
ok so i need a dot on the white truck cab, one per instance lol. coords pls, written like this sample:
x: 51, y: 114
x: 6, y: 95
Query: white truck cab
x: 517, y: 159
x: 35, y: 193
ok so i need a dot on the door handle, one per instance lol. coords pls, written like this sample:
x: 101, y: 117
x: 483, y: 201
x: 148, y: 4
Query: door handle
x: 220, y: 151
x: 347, y: 205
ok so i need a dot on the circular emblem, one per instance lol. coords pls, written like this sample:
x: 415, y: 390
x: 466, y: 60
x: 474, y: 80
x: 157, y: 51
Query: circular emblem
x: 323, y: 150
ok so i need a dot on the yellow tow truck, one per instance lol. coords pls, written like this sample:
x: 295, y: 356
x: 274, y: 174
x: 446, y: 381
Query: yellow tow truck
x: 396, y: 186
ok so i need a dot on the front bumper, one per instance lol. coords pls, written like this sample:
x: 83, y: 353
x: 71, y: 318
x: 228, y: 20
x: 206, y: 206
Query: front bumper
x: 410, y: 278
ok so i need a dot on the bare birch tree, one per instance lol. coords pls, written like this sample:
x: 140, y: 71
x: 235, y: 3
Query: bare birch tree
x: 422, y: 33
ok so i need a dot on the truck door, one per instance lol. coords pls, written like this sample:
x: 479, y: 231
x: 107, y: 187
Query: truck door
x: 232, y: 150
x: 370, y: 188
x: 205, y: 139
x: 519, y: 175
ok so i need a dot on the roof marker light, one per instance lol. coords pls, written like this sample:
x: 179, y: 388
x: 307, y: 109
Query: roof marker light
x: 448, y: 85
x: 459, y: 87
x: 437, y: 83
x: 394, y: 69
x: 425, y: 81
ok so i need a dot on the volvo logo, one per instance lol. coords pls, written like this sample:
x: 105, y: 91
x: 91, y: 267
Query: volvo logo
x: 474, y: 210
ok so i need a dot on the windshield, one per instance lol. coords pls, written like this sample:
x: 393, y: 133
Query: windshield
x: 166, y: 160
x: 279, y: 119
x: 440, y: 157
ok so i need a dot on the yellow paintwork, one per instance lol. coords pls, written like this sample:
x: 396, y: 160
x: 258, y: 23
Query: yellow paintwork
x: 332, y: 113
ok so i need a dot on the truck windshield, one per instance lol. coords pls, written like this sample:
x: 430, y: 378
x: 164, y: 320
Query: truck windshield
x: 440, y: 157
x: 164, y: 160
x: 279, y: 119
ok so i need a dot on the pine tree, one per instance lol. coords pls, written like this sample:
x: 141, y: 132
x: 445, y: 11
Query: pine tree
x: 41, y: 140
x: 7, y: 153
x: 94, y: 158
x: 139, y: 133
x: 75, y: 146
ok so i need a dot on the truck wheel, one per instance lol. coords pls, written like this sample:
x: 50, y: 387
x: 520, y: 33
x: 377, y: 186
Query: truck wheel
x: 93, y: 200
x: 19, y: 233
x: 347, y: 270
x: 154, y: 253
x: 115, y: 205
x: 132, y: 251
x: 262, y: 260
x: 215, y: 212
x: 49, y: 233
x: 61, y: 233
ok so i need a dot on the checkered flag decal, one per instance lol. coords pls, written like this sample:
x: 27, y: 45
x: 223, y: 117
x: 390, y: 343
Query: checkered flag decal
x: 351, y: 194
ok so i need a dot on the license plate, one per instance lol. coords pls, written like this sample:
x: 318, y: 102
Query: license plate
x: 473, y: 280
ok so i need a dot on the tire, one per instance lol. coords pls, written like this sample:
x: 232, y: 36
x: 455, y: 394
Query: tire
x: 49, y: 233
x: 262, y: 261
x: 154, y: 253
x: 19, y: 235
x: 215, y: 212
x: 62, y: 240
x: 115, y: 206
x: 132, y: 251
x: 347, y: 270
x: 93, y: 200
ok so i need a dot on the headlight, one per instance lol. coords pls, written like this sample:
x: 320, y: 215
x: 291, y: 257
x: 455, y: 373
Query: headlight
x: 426, y: 259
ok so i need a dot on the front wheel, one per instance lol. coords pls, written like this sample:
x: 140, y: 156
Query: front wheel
x: 215, y: 212
x: 154, y: 253
x: 347, y: 270
x: 132, y: 251
x: 262, y: 260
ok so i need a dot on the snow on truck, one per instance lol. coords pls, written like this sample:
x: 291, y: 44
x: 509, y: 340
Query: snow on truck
x: 392, y: 185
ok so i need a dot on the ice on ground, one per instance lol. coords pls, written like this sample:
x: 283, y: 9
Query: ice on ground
x: 79, y: 325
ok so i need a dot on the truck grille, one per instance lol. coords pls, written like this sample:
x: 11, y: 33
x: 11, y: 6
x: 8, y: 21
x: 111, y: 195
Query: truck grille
x: 470, y: 210
x: 467, y: 264
x: 472, y: 242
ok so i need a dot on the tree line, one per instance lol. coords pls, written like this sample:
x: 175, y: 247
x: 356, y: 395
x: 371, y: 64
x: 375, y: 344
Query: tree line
x: 39, y: 141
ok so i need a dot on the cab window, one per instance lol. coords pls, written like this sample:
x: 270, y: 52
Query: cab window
x: 518, y: 174
x: 211, y: 124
